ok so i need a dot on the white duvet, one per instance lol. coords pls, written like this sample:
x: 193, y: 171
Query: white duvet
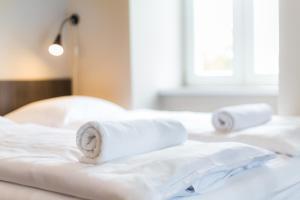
x: 278, y: 180
x: 281, y: 134
x: 47, y: 158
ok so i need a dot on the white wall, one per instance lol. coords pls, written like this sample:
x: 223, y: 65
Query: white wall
x: 156, y: 56
x: 27, y: 29
x: 104, y: 56
x: 209, y: 103
x: 289, y: 98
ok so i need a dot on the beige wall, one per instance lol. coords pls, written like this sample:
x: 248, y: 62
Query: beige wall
x: 289, y: 97
x: 104, y: 57
x: 27, y: 28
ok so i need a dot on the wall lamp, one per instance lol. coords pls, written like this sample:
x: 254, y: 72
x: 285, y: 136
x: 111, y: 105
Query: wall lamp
x: 56, y: 48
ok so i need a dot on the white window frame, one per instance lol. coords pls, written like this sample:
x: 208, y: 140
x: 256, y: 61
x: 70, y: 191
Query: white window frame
x: 243, y: 41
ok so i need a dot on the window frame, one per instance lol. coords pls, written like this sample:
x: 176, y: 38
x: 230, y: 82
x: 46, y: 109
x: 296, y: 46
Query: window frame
x: 243, y: 48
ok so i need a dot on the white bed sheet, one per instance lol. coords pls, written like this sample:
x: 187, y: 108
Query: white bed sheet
x: 47, y: 158
x: 10, y: 191
x: 281, y: 134
x: 290, y: 193
x: 279, y: 180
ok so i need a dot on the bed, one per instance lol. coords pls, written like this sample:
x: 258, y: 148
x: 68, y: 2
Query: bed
x: 44, y: 158
x: 269, y: 183
x: 278, y: 180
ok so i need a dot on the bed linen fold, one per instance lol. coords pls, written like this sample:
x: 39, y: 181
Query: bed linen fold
x: 279, y: 178
x: 47, y: 158
x: 11, y: 191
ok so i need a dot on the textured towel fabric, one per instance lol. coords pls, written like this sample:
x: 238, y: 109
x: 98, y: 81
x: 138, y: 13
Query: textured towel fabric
x: 241, y: 117
x: 100, y: 142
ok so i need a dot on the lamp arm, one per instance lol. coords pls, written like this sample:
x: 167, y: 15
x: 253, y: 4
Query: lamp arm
x: 56, y: 48
x: 74, y: 19
x: 63, y: 24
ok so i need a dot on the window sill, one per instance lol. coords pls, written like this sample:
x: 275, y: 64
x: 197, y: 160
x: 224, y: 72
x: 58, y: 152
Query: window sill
x: 271, y: 91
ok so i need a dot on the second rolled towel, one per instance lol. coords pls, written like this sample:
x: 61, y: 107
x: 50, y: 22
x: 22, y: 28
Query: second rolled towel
x: 240, y: 117
x: 105, y: 141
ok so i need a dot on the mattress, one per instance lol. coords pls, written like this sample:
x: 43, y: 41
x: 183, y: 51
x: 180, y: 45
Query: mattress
x: 278, y: 180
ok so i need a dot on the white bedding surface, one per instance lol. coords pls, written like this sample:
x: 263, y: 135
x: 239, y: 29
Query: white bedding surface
x: 47, y: 158
x: 10, y: 191
x: 279, y: 180
x: 276, y: 181
x: 281, y: 134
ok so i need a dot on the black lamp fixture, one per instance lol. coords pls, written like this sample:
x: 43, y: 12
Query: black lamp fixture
x: 56, y: 48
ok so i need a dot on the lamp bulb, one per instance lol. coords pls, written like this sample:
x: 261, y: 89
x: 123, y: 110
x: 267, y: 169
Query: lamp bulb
x: 56, y: 50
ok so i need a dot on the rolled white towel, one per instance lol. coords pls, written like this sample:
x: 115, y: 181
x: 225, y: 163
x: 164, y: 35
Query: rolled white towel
x: 240, y: 117
x: 101, y: 142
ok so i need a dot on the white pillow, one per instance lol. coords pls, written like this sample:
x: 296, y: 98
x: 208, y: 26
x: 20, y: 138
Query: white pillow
x: 67, y: 112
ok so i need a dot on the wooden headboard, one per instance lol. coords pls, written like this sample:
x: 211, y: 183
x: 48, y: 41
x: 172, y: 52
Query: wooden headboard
x: 14, y: 94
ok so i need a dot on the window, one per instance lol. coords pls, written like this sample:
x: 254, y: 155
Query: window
x: 232, y: 42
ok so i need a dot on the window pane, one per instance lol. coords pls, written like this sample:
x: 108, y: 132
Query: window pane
x: 266, y: 37
x: 213, y: 37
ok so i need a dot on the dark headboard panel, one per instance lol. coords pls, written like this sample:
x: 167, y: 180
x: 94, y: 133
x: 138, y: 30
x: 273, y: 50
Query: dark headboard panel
x: 14, y: 94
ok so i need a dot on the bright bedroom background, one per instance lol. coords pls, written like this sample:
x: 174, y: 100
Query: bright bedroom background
x: 152, y: 54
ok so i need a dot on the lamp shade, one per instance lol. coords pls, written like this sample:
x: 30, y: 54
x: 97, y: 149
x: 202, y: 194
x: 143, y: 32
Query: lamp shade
x: 56, y: 50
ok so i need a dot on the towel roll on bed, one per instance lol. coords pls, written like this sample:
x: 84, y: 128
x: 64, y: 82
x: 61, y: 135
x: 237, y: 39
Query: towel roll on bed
x: 105, y: 141
x: 235, y: 118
